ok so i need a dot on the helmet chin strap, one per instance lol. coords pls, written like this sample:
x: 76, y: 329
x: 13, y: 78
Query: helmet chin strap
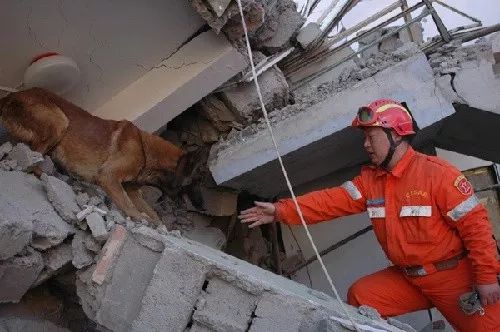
x: 392, y: 148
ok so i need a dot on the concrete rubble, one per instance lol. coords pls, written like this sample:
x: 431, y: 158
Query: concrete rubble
x: 175, y: 284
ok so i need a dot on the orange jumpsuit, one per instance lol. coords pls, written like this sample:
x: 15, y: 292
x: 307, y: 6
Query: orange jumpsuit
x: 423, y: 211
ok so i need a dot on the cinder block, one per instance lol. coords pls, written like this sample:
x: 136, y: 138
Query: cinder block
x: 225, y: 307
x: 172, y: 293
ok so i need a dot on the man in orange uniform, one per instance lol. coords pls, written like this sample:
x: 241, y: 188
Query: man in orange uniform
x: 425, y: 216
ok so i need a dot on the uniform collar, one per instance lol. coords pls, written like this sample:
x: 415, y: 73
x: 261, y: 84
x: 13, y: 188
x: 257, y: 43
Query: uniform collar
x: 401, y: 166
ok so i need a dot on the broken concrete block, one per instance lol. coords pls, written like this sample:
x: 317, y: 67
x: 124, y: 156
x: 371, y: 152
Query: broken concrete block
x: 92, y: 245
x: 280, y: 26
x: 54, y: 259
x: 8, y: 165
x: 244, y: 101
x: 29, y: 325
x: 97, y: 226
x: 109, y: 254
x: 82, y: 257
x: 24, y: 157
x: 496, y: 69
x: 82, y: 199
x: 116, y: 217
x: 495, y: 46
x: 209, y: 236
x: 47, y: 166
x: 131, y: 274
x: 218, y: 202
x: 217, y: 113
x: 62, y: 197
x: 18, y: 273
x: 14, y: 236
x: 26, y: 200
x: 5, y: 148
x: 151, y: 194
x: 225, y: 307
x: 180, y: 279
x: 308, y: 34
x: 219, y: 6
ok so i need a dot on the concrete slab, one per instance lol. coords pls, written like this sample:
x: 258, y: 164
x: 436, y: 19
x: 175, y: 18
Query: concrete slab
x: 17, y: 274
x: 314, y: 141
x: 224, y: 307
x: 175, y: 84
x: 169, y: 299
x: 26, y: 200
x: 478, y: 85
x: 14, y: 236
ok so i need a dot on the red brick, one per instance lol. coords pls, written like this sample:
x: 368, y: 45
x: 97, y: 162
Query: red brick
x: 109, y: 253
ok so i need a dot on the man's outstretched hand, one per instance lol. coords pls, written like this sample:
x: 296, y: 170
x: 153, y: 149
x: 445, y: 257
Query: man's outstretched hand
x: 262, y: 213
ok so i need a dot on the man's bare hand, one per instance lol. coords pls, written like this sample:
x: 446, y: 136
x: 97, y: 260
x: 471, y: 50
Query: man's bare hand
x: 262, y: 213
x: 489, y: 294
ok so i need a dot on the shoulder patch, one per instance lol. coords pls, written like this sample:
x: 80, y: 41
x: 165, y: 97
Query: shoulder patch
x: 463, y: 185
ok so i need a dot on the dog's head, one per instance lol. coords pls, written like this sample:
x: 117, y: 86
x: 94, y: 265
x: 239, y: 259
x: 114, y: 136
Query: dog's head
x: 165, y: 163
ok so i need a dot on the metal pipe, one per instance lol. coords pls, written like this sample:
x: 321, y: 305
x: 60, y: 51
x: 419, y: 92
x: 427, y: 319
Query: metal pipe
x: 324, y: 70
x: 453, y: 9
x: 439, y: 23
x: 355, y: 39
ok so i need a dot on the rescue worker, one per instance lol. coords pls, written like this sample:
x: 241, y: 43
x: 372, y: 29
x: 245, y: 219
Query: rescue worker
x: 425, y: 216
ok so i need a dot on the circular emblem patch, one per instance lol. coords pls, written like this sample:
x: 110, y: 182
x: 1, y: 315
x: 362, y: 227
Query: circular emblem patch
x: 463, y: 185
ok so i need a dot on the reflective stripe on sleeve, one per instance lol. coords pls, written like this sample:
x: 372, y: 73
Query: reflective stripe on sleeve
x: 463, y: 208
x: 352, y: 190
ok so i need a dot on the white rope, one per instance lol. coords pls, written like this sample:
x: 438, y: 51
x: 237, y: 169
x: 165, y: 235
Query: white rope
x: 285, y: 174
x: 7, y: 89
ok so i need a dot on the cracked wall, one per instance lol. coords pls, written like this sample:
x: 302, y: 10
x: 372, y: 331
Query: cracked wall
x: 112, y: 47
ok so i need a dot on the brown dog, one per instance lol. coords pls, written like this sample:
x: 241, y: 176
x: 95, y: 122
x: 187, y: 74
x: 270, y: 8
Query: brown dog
x: 116, y: 155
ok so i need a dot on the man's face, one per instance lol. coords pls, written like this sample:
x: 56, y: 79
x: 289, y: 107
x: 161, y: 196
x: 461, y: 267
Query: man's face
x: 376, y: 144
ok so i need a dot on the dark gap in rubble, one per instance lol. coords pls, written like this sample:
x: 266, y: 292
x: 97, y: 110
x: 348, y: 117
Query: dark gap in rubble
x: 205, y: 285
x: 252, y: 316
x: 452, y: 81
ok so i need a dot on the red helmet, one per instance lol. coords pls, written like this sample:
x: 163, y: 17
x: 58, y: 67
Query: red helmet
x: 385, y: 113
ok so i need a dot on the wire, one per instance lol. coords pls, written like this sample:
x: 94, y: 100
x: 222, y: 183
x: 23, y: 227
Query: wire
x: 285, y: 174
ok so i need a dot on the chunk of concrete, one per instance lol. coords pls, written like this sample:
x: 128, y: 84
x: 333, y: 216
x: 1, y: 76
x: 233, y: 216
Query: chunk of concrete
x: 225, y: 307
x: 82, y: 257
x: 314, y: 142
x: 5, y: 148
x: 209, y: 236
x: 151, y: 194
x: 243, y: 99
x: 180, y: 279
x: 26, y: 200
x: 282, y: 24
x: 97, y: 226
x: 18, y: 273
x: 217, y: 113
x: 15, y: 235
x: 47, y: 166
x: 24, y: 157
x: 132, y: 274
x: 308, y: 34
x: 219, y: 202
x: 495, y: 46
x: 62, y: 197
x: 28, y: 325
x: 199, y: 67
x: 219, y: 6
x: 54, y: 259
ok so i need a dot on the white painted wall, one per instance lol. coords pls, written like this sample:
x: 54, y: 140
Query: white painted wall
x: 461, y: 161
x: 114, y: 42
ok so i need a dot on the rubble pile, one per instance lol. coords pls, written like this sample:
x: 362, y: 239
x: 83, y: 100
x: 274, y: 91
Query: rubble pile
x: 303, y: 101
x: 450, y: 58
x: 52, y: 222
